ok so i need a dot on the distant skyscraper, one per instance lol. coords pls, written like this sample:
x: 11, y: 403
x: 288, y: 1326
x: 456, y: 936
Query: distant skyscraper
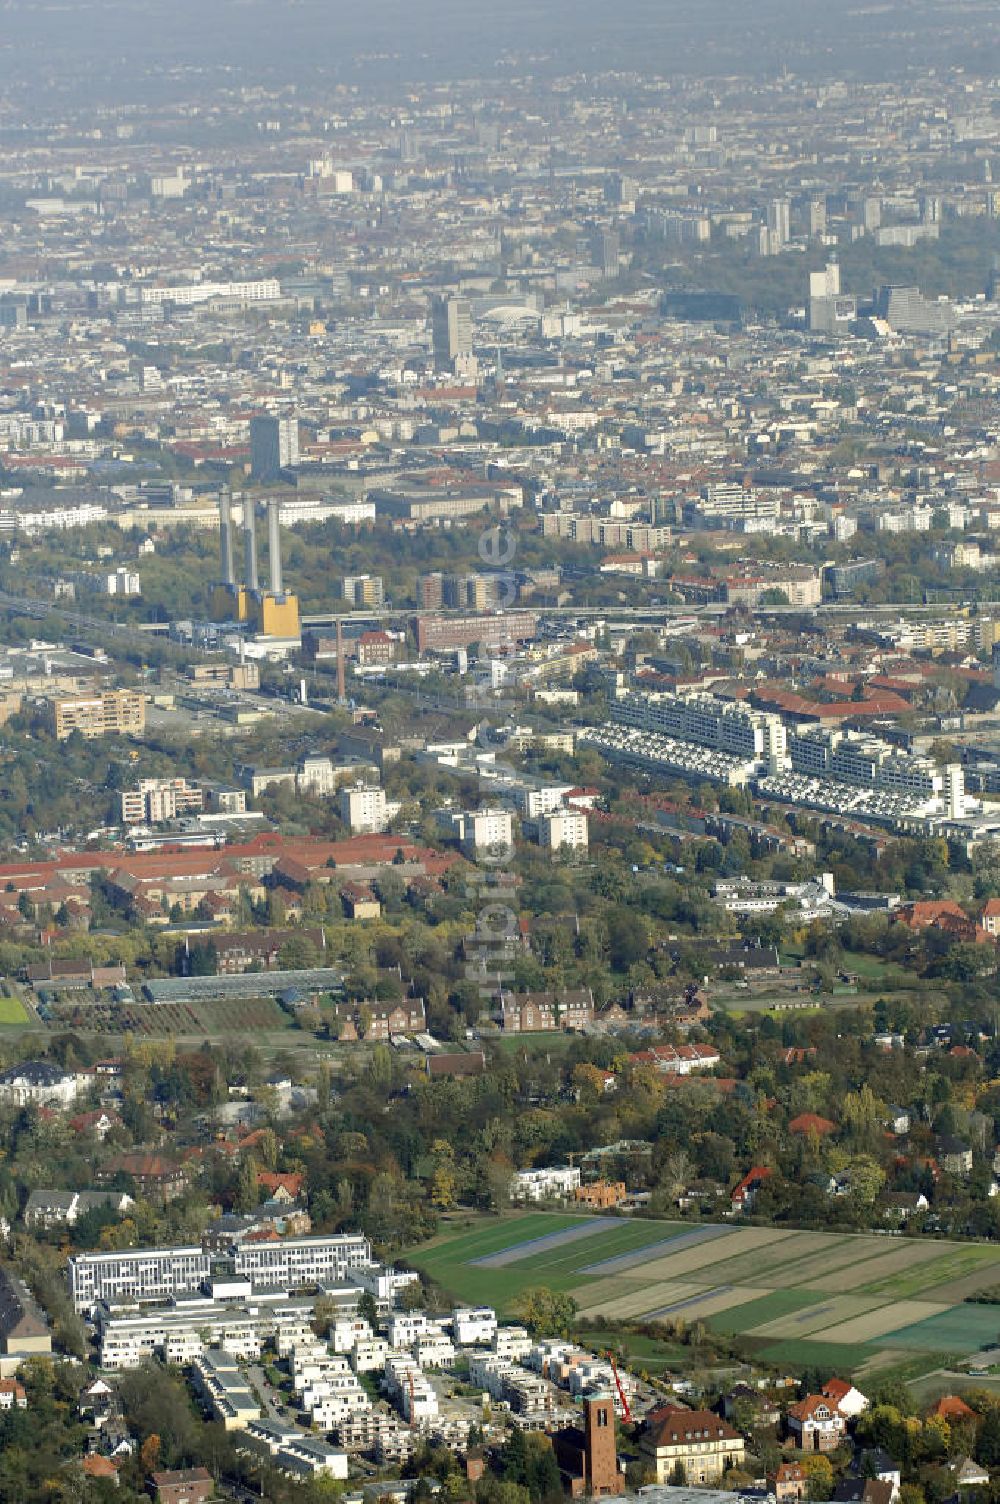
x: 606, y: 253
x: 830, y: 312
x: 779, y: 220
x: 274, y: 446
x: 871, y: 213
x: 451, y: 331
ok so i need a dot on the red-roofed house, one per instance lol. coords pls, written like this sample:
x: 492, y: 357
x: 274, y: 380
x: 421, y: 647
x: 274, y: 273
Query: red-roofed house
x: 952, y: 1407
x: 280, y: 1187
x: 789, y: 1482
x: 811, y: 1122
x: 848, y: 1400
x: 815, y: 1424
x: 743, y: 1194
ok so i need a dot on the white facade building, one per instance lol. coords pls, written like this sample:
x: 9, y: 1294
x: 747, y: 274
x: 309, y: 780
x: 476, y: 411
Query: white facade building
x: 555, y: 1183
x: 363, y: 810
x: 563, y: 830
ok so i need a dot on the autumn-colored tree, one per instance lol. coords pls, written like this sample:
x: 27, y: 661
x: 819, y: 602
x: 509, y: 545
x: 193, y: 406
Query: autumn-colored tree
x: 149, y: 1453
x: 819, y: 1475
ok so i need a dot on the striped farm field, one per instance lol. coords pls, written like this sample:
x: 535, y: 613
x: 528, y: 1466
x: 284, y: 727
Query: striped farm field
x: 812, y: 1318
x: 694, y: 1260
x: 954, y: 1262
x: 795, y: 1298
x: 884, y: 1269
x: 878, y: 1323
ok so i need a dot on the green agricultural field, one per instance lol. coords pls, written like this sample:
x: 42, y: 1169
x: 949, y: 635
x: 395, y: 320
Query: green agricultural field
x: 852, y: 1302
x: 12, y: 1012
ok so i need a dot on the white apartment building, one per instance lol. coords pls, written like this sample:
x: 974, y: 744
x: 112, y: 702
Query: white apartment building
x: 856, y: 758
x: 709, y: 722
x: 148, y: 1274
x: 293, y: 1262
x: 368, y: 1354
x: 345, y: 1331
x: 382, y: 1282
x: 123, y: 582
x: 434, y: 1350
x: 268, y: 290
x: 294, y: 1451
x: 556, y: 1183
x: 155, y: 799
x: 541, y: 801
x: 474, y: 1325
x: 405, y: 1327
x: 512, y: 1342
x: 179, y: 1334
x: 145, y: 1274
x: 564, y: 830
x: 363, y: 810
x: 411, y: 1391
x: 486, y: 830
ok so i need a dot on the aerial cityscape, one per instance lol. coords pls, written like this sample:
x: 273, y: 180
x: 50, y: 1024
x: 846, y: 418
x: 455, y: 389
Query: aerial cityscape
x: 500, y: 752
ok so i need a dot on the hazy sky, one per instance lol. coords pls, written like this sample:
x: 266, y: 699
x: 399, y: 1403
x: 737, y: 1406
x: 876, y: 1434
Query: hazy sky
x: 109, y: 44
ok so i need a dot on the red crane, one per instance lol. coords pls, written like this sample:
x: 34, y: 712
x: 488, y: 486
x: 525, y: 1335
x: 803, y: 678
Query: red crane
x: 626, y: 1410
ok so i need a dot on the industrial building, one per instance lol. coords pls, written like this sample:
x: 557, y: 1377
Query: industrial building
x: 272, y: 613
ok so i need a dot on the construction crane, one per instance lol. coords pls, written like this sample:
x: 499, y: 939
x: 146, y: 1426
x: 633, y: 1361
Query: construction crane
x: 412, y: 1401
x: 626, y: 1409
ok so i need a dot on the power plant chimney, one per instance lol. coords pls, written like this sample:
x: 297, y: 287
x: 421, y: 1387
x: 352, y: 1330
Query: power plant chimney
x: 341, y: 686
x: 274, y: 546
x: 226, y: 538
x: 250, y: 543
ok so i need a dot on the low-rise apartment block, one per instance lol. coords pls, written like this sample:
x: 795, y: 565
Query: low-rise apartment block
x: 113, y: 712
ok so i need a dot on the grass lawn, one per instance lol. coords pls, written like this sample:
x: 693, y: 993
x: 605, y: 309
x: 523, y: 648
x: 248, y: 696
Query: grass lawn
x: 529, y: 1044
x: 12, y: 1011
x: 640, y: 1351
x: 799, y: 1353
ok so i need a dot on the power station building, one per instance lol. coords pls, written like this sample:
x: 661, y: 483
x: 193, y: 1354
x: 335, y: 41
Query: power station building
x: 272, y: 613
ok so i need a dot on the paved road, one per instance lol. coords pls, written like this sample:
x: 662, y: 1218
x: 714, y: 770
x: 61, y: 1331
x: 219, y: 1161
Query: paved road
x: 262, y: 1388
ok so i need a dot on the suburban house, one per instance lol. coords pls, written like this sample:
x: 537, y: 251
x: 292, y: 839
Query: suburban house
x: 678, y: 1059
x: 742, y: 1196
x: 841, y: 1393
x: 188, y: 1485
x: 694, y: 1443
x: 815, y: 1424
x: 789, y: 1483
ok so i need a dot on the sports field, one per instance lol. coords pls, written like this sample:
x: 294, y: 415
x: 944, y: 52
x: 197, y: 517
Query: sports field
x: 855, y: 1301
